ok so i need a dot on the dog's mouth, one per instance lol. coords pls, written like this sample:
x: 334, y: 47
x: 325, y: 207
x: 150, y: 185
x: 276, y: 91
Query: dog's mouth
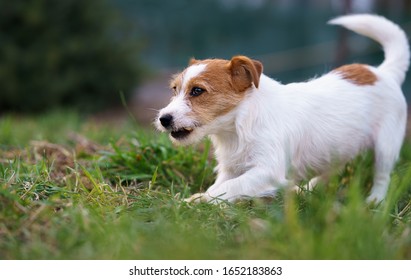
x: 181, y: 133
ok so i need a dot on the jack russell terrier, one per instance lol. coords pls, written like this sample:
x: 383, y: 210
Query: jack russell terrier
x: 268, y: 135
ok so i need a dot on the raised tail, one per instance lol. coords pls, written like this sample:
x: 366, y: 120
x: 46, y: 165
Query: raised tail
x: 388, y: 34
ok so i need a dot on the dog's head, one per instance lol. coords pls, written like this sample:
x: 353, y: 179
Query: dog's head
x: 205, y: 92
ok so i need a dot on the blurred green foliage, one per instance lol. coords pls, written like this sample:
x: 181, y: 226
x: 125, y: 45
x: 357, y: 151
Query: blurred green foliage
x: 175, y: 30
x: 72, y: 52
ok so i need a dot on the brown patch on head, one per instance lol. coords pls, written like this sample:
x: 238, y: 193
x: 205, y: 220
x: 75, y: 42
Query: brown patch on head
x: 358, y: 74
x: 224, y: 84
x: 220, y: 96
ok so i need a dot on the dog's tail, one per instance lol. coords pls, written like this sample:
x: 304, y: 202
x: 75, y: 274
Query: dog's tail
x: 389, y: 35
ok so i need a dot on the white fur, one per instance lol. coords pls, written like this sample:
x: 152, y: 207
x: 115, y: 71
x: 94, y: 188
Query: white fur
x: 191, y: 72
x: 279, y: 134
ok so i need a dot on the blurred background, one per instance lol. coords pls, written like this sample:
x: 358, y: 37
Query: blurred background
x: 96, y: 55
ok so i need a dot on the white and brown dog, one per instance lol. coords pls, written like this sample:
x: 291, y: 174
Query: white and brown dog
x: 268, y: 135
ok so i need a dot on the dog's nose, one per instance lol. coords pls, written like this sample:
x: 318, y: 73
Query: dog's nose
x: 166, y: 120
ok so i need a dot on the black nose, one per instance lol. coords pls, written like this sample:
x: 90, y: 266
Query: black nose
x: 166, y: 120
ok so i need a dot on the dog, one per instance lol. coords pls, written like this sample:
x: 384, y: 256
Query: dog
x: 267, y: 135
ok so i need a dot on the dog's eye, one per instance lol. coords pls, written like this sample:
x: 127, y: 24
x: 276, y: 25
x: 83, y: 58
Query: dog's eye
x: 196, y: 91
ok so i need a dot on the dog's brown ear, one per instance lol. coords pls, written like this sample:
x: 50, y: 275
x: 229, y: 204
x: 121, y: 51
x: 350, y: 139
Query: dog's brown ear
x: 192, y: 61
x: 245, y: 72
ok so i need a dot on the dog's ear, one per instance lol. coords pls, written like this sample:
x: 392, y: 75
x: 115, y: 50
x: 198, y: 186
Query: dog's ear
x: 245, y: 72
x: 192, y: 61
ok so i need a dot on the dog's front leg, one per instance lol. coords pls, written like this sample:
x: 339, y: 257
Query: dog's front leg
x: 257, y: 182
x: 223, y: 176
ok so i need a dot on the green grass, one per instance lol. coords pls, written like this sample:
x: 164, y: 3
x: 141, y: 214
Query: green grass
x: 76, y: 189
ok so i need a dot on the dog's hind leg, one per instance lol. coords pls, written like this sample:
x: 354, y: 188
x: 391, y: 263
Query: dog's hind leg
x: 384, y: 164
x: 387, y: 148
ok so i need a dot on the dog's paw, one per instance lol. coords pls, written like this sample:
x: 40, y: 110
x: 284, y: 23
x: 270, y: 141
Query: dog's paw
x: 198, y: 198
x: 375, y: 200
x: 204, y: 198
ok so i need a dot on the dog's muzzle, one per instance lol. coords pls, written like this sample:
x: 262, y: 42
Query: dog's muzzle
x: 177, y: 133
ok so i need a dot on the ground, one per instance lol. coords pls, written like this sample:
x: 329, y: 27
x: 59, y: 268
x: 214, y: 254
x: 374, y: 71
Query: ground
x: 75, y: 188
